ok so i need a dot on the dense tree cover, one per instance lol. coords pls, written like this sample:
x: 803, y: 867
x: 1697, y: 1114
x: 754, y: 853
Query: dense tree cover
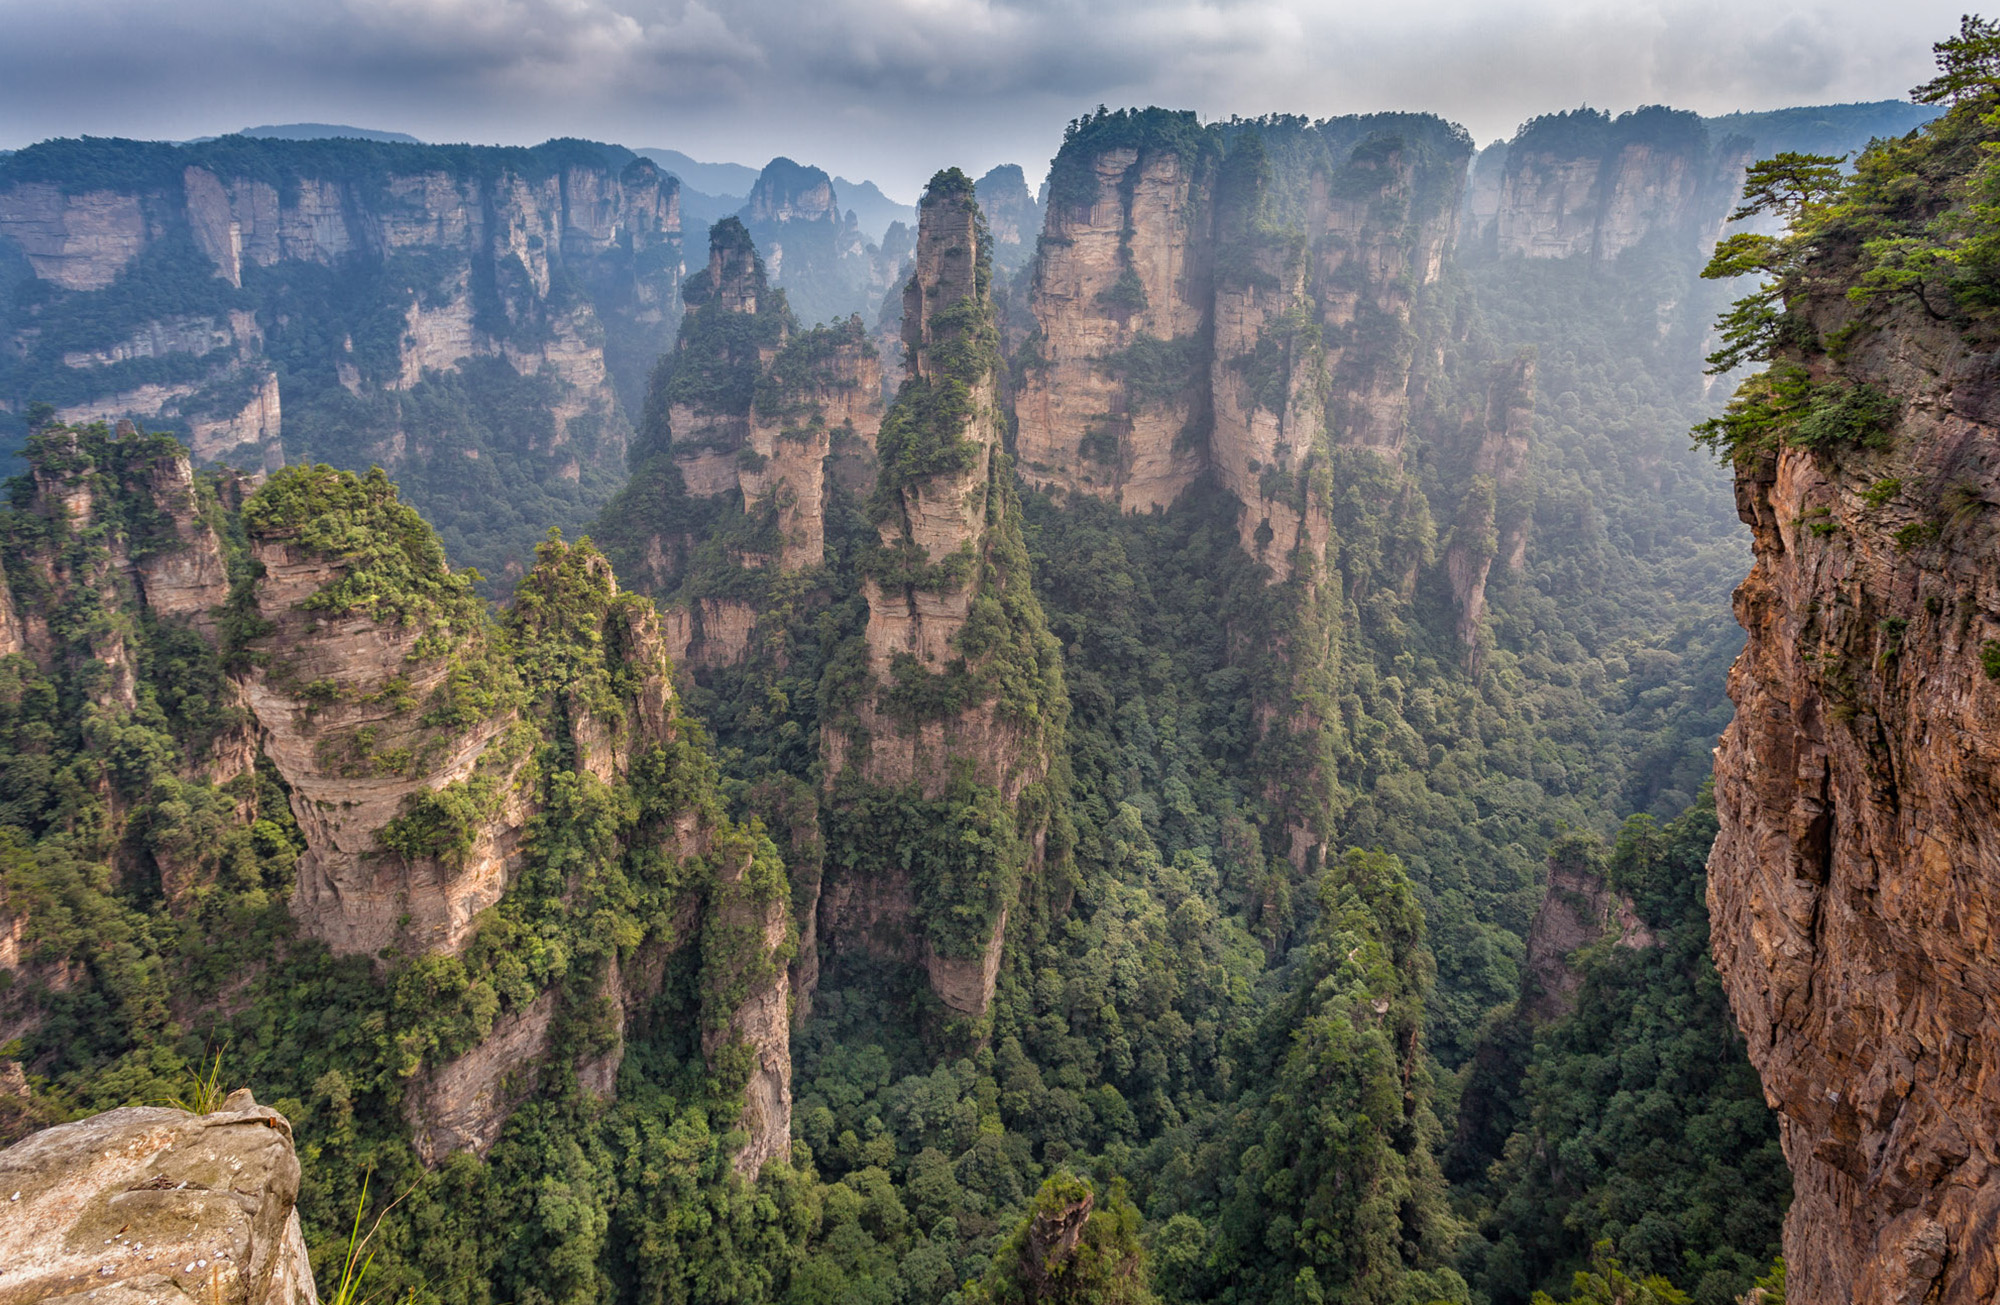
x: 1249, y: 1062
x: 1157, y: 980
x: 1916, y: 224
x: 154, y: 903
x: 1639, y: 1119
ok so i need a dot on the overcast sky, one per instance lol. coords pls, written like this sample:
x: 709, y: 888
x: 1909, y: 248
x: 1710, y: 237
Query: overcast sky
x: 893, y: 89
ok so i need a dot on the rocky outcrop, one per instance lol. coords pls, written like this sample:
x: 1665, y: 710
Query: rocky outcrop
x: 948, y: 543
x: 1853, y: 882
x: 1116, y: 385
x: 1231, y: 302
x: 936, y: 518
x: 463, y: 1104
x: 560, y: 264
x: 412, y: 742
x: 815, y: 251
x: 1582, y: 184
x: 824, y: 388
x: 158, y: 550
x: 337, y: 700
x: 1012, y: 215
x: 79, y: 241
x: 1492, y: 523
x: 152, y: 1204
x: 753, y: 418
x: 749, y: 910
x: 1578, y: 908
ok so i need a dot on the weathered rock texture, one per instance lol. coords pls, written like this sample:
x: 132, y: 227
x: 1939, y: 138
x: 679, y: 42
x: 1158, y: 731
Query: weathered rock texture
x: 1234, y: 302
x: 1853, y: 885
x: 1582, y: 184
x: 1126, y: 261
x: 562, y: 263
x: 151, y: 1204
x: 333, y: 698
x: 1578, y: 908
x: 949, y: 542
x: 366, y: 711
x: 749, y: 421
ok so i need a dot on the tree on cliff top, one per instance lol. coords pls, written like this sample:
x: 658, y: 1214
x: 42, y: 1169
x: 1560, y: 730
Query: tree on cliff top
x: 1968, y: 64
x: 1074, y: 1248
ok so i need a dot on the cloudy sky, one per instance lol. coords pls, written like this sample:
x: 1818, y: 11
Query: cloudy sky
x: 892, y: 89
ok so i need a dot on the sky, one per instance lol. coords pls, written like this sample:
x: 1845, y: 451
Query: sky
x: 894, y: 89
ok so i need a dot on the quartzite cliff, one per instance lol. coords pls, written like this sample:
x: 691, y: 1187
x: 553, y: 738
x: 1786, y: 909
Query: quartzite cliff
x: 1853, y: 883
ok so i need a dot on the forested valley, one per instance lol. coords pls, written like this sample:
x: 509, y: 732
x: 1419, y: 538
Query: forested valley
x: 1167, y: 761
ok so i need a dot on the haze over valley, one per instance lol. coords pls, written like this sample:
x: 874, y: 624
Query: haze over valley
x: 1389, y: 703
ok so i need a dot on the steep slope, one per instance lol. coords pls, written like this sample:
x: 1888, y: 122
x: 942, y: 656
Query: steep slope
x: 1584, y: 183
x: 1012, y: 215
x: 429, y: 877
x: 814, y: 248
x: 940, y: 743
x: 1852, y: 882
x: 1195, y: 313
x: 479, y: 320
x: 749, y: 424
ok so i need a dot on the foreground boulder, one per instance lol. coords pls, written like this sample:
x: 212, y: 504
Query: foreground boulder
x: 152, y: 1204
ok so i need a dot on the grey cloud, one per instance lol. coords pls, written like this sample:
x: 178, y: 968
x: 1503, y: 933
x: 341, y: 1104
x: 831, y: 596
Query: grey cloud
x: 891, y: 88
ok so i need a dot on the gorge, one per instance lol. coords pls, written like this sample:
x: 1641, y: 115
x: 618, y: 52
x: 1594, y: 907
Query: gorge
x: 1143, y: 743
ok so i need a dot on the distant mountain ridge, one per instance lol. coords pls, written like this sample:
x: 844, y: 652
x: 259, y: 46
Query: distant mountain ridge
x: 873, y: 211
x: 713, y: 178
x: 327, y: 131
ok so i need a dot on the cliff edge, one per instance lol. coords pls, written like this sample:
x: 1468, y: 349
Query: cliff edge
x: 1852, y: 887
x: 148, y: 1204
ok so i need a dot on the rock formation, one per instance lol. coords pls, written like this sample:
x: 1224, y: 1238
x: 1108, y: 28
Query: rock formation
x: 1582, y: 184
x: 959, y: 700
x: 1492, y: 523
x: 365, y: 269
x: 364, y: 674
x: 149, y: 1204
x: 815, y: 251
x: 1852, y: 885
x: 748, y: 420
x: 1114, y: 398
x: 1579, y: 907
x: 1012, y: 215
x: 1237, y: 301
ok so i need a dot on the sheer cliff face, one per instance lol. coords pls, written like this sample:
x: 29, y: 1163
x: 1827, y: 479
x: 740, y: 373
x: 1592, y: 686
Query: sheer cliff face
x: 1012, y: 215
x: 1129, y: 262
x: 1852, y: 885
x: 1177, y: 332
x: 1582, y: 184
x: 366, y: 269
x: 1492, y: 524
x: 812, y: 248
x: 415, y: 745
x: 938, y: 517
x: 756, y: 416
x: 958, y: 704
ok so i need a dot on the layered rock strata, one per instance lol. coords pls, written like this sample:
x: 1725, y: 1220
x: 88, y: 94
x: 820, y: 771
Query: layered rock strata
x: 150, y: 1204
x: 365, y: 269
x: 1853, y: 885
x: 1585, y: 185
x: 939, y: 711
x: 1234, y: 302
